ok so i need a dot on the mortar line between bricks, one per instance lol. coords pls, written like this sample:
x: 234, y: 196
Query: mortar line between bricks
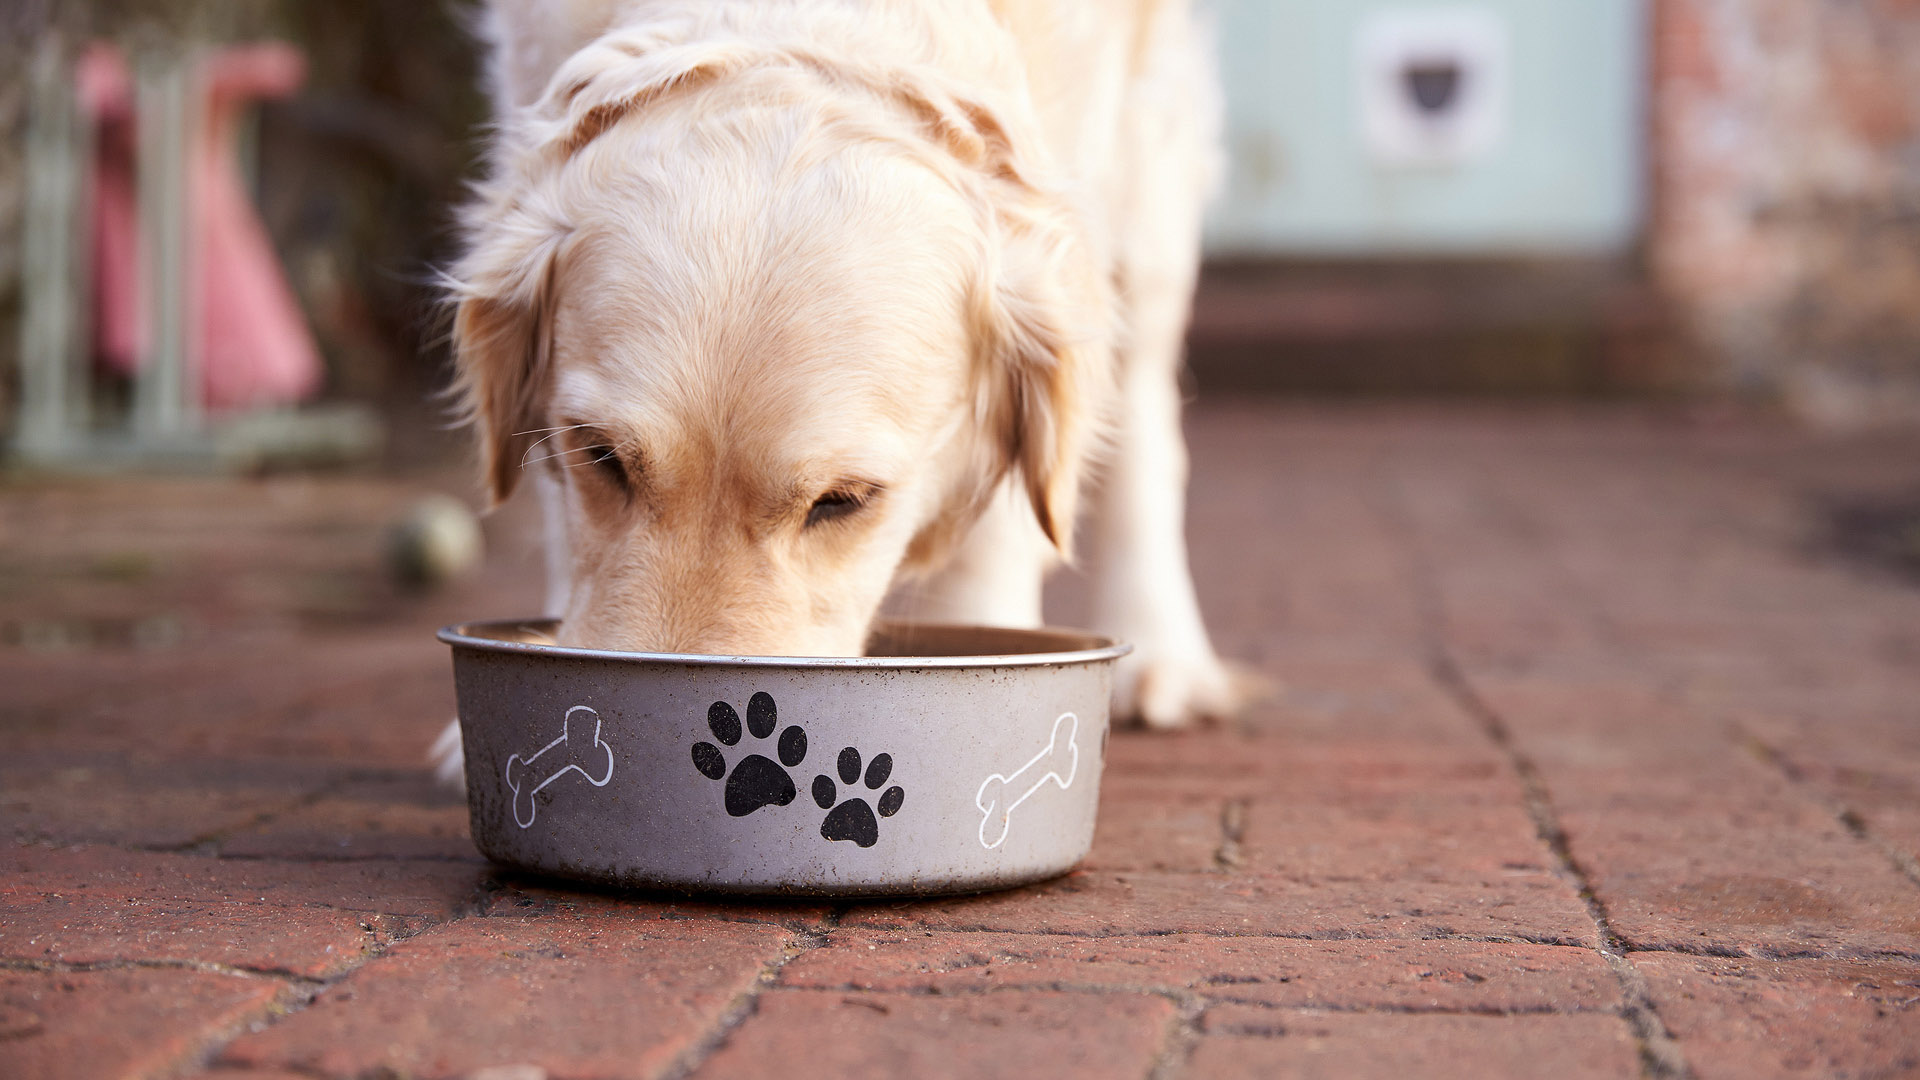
x: 206, y: 967
x: 1183, y: 1033
x: 1186, y: 994
x: 212, y: 838
x: 1849, y: 818
x: 201, y: 1051
x: 1202, y: 932
x: 307, y: 859
x: 314, y: 1073
x: 747, y: 1002
x: 1660, y: 1054
x: 206, y: 1053
x: 1466, y: 939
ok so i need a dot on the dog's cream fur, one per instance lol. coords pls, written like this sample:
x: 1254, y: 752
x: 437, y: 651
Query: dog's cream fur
x: 782, y: 303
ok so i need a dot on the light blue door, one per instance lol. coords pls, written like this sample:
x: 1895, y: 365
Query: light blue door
x: 1410, y: 127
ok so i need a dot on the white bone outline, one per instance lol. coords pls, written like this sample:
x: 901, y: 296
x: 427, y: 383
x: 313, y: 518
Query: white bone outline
x: 1005, y: 816
x: 534, y: 811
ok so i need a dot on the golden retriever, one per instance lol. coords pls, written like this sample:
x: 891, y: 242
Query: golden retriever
x: 784, y: 303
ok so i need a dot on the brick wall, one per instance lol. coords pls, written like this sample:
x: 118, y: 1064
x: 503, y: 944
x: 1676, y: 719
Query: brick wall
x: 1787, y: 196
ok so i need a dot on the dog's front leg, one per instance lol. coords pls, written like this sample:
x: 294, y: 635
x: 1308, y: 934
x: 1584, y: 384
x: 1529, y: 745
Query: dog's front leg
x: 1142, y: 588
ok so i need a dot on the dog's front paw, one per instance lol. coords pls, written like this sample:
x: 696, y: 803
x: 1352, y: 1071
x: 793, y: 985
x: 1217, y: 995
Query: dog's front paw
x: 448, y: 757
x: 1174, y: 690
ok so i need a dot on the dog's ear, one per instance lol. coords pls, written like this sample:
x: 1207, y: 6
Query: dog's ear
x: 503, y: 296
x: 1043, y: 314
x: 503, y: 289
x: 1046, y: 359
x: 502, y: 356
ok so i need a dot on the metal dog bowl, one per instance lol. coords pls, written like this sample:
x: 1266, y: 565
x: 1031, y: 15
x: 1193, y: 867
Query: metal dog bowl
x: 949, y: 759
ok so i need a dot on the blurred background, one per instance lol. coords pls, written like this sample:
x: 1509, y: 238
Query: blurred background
x: 1715, y: 197
x: 218, y: 223
x: 1708, y: 197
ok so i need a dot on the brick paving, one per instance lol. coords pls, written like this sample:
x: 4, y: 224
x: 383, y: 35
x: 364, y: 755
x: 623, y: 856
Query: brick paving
x: 1596, y: 757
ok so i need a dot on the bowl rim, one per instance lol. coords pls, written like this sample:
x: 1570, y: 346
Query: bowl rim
x: 1098, y: 648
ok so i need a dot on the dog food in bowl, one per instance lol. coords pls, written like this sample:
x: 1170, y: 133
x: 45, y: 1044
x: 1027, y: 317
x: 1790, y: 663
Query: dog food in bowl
x: 949, y: 759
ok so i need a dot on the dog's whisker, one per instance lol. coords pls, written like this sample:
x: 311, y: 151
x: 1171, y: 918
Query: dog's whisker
x: 549, y: 457
x: 551, y: 432
x: 611, y: 454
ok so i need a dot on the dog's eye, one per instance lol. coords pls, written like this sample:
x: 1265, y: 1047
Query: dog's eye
x: 605, y: 460
x: 832, y: 505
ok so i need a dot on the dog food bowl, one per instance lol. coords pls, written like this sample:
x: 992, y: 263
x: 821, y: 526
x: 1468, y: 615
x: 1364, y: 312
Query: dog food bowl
x: 950, y: 759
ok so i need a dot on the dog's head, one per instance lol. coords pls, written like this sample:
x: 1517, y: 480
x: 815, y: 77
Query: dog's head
x: 779, y: 326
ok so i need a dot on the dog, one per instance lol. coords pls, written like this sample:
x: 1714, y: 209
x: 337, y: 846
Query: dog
x: 785, y: 307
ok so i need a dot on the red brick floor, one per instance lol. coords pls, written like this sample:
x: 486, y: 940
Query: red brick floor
x: 1596, y: 757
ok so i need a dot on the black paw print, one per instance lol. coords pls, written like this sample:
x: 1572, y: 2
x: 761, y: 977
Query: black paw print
x: 853, y: 820
x: 757, y: 781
